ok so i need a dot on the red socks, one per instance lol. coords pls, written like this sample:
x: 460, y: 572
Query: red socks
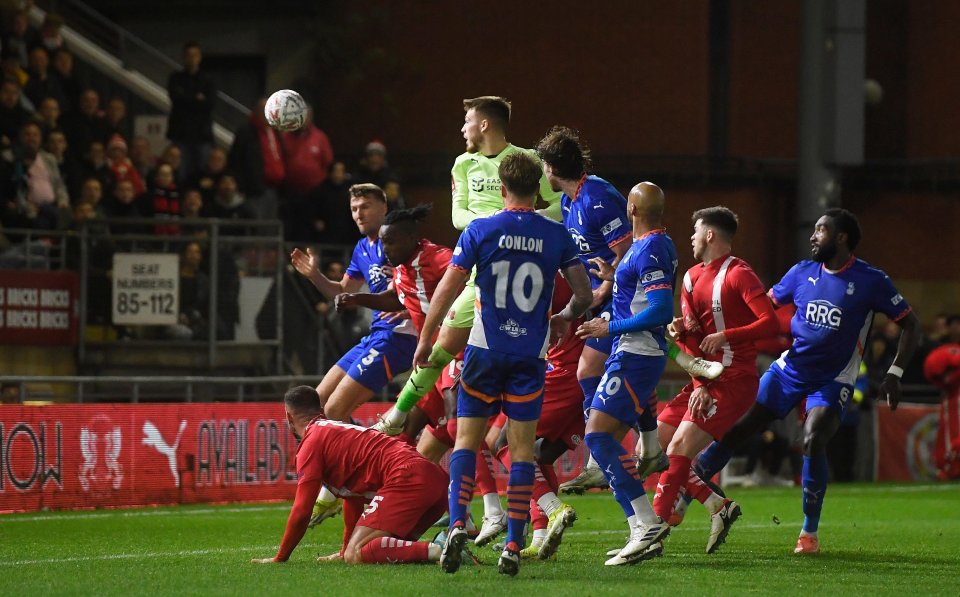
x: 670, y: 484
x: 389, y: 550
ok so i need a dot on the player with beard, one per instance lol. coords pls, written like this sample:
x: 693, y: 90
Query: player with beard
x: 836, y: 295
x: 387, y: 350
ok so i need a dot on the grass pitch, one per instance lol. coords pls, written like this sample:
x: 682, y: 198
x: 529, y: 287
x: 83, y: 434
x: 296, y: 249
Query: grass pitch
x: 875, y: 539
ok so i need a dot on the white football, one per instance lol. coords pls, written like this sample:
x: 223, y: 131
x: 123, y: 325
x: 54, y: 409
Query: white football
x: 286, y: 110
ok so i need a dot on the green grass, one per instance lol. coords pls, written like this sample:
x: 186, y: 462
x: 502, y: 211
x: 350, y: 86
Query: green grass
x: 875, y: 539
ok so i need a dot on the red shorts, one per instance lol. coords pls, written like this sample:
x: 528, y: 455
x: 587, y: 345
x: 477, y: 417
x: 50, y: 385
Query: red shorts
x: 561, y: 417
x: 733, y: 394
x: 413, y: 498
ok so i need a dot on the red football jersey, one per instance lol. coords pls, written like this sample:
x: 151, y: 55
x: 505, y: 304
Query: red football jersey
x: 717, y: 294
x: 350, y: 460
x: 942, y: 367
x: 565, y: 355
x: 416, y: 281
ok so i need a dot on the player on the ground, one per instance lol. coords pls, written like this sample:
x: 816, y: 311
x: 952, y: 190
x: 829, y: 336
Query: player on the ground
x: 387, y: 350
x: 476, y: 188
x: 642, y: 308
x: 516, y: 253
x: 392, y: 494
x: 724, y: 310
x: 836, y: 295
x: 942, y: 369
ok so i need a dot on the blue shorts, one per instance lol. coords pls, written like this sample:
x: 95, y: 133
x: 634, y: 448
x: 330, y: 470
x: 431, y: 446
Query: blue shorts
x: 492, y: 381
x: 605, y: 344
x: 378, y: 357
x: 626, y: 386
x: 780, y: 393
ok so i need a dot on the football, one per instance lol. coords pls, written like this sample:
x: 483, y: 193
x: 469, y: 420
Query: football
x: 286, y: 110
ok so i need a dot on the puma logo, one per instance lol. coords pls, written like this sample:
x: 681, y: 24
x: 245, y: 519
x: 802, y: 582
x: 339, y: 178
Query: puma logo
x: 152, y: 438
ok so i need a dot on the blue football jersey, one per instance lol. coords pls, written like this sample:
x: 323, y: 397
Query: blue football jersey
x: 596, y: 219
x: 369, y: 264
x: 649, y: 264
x: 834, y: 315
x: 517, y: 254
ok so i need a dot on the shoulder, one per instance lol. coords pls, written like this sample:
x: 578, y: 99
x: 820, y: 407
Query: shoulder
x: 463, y: 159
x: 863, y: 268
x: 597, y: 186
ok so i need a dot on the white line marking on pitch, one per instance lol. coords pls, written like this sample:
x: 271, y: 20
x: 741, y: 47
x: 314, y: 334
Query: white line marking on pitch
x: 137, y: 556
x: 136, y: 513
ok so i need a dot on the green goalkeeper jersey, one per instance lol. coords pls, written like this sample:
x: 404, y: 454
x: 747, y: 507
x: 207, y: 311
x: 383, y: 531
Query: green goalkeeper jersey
x: 475, y: 182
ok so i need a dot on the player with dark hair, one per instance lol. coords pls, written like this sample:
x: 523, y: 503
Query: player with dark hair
x: 836, y: 295
x: 392, y: 494
x: 477, y: 193
x: 642, y: 308
x: 388, y: 349
x: 516, y: 253
x: 724, y: 310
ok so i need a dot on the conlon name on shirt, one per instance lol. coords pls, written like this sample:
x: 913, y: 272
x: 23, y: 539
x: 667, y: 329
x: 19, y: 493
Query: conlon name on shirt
x: 521, y: 243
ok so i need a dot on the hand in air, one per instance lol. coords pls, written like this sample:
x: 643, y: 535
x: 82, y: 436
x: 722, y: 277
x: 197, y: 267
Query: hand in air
x: 603, y: 271
x: 305, y: 263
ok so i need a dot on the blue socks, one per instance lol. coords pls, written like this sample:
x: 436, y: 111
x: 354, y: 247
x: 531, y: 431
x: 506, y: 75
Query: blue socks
x: 519, y: 492
x: 619, y: 468
x: 463, y: 471
x: 712, y: 460
x: 589, y: 387
x: 815, y: 474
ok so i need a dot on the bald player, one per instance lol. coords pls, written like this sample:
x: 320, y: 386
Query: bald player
x: 642, y: 308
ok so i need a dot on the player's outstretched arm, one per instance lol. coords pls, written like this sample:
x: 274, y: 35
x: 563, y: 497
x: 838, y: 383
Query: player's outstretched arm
x: 307, y: 265
x: 910, y: 335
x: 576, y: 277
x: 447, y: 290
x: 380, y: 301
x: 307, y: 493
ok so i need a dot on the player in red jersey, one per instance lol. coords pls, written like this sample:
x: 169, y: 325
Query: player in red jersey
x: 418, y: 267
x: 942, y: 369
x: 560, y: 428
x: 392, y: 494
x: 724, y: 310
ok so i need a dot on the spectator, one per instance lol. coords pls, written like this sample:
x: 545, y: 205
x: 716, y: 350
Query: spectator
x: 86, y: 124
x: 41, y: 85
x: 70, y: 172
x: 257, y: 156
x: 115, y: 118
x: 12, y: 114
x: 48, y: 115
x: 10, y: 65
x: 10, y: 393
x: 331, y: 221
x: 124, y: 204
x: 373, y: 166
x: 194, y: 297
x: 394, y: 196
x: 953, y: 329
x: 171, y: 155
x: 229, y: 203
x: 17, y: 40
x: 141, y: 154
x: 162, y: 201
x: 63, y: 72
x: 308, y: 159
x: 121, y: 168
x: 91, y: 191
x: 94, y: 163
x: 192, y: 96
x: 99, y: 261
x: 50, y: 38
x: 192, y: 211
x: 939, y: 331
x: 209, y: 176
x: 39, y: 190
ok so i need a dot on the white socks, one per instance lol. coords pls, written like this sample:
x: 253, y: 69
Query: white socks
x: 549, y: 503
x: 491, y: 504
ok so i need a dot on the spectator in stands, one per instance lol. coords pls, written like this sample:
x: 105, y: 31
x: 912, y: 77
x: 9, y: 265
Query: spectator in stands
x: 123, y: 204
x: 115, y: 117
x: 228, y: 202
x: 86, y: 124
x: 91, y: 191
x: 209, y: 176
x: 373, y: 166
x: 953, y: 329
x: 40, y: 192
x: 70, y: 172
x: 308, y: 159
x: 10, y: 393
x: 394, y: 196
x: 141, y: 154
x: 10, y: 66
x: 63, y: 72
x: 17, y: 39
x: 12, y: 115
x: 48, y: 115
x: 331, y: 217
x: 192, y: 96
x: 194, y: 297
x: 94, y: 163
x: 162, y: 201
x: 257, y: 157
x: 50, y: 38
x: 939, y: 330
x: 100, y: 250
x: 192, y: 205
x: 121, y: 168
x: 41, y: 85
x: 171, y: 155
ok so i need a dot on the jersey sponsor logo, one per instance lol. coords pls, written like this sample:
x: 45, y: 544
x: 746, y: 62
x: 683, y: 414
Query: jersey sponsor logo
x: 896, y: 300
x: 652, y: 276
x: 851, y: 288
x: 379, y: 273
x: 824, y: 314
x: 655, y: 258
x: 598, y: 206
x: 513, y: 329
x: 481, y: 184
x: 611, y: 226
x: 578, y: 238
x: 813, y: 280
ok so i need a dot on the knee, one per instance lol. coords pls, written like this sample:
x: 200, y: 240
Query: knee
x: 595, y: 440
x: 351, y: 555
x: 814, y: 442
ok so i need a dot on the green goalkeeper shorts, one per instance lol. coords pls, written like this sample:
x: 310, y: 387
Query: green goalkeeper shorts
x: 461, y: 313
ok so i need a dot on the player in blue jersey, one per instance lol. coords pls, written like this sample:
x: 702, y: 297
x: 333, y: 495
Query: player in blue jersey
x: 516, y: 253
x: 642, y: 308
x: 836, y: 295
x: 387, y: 350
